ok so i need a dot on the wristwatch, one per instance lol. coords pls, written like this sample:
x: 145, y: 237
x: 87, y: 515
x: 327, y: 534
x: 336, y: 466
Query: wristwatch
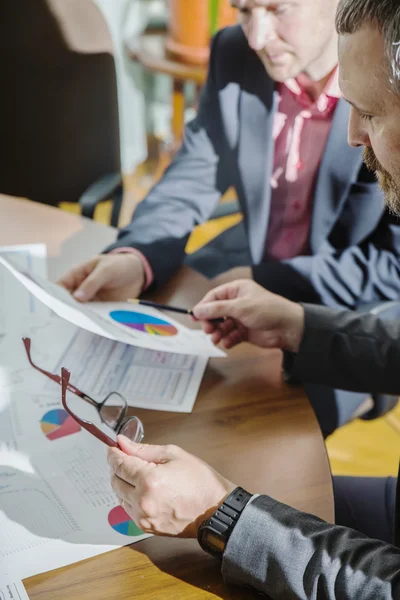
x: 214, y: 533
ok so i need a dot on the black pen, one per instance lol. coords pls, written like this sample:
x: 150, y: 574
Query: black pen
x: 177, y: 309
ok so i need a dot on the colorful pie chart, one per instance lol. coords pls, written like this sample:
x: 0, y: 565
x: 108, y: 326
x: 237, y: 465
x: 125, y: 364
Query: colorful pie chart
x: 57, y: 423
x: 143, y: 323
x: 121, y: 522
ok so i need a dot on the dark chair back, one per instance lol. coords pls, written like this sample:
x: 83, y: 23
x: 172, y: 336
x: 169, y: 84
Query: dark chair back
x: 59, y: 126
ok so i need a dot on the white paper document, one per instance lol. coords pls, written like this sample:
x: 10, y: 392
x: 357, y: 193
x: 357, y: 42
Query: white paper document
x: 11, y: 587
x: 146, y: 328
x: 57, y: 506
x: 146, y: 378
x: 15, y: 300
x: 56, y: 502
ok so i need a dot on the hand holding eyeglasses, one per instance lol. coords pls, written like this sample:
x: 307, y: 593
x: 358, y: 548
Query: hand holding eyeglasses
x: 164, y: 489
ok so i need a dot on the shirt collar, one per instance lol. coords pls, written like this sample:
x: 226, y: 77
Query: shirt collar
x: 331, y: 91
x: 332, y: 88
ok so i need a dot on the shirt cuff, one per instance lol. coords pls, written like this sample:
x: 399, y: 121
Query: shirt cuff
x: 148, y: 271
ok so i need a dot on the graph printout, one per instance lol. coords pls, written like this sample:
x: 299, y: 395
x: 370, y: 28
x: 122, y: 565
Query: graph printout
x: 56, y: 502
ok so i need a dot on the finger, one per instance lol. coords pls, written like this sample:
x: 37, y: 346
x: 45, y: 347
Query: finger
x: 224, y: 330
x: 131, y: 507
x: 123, y: 490
x: 223, y: 326
x: 125, y: 505
x: 146, y: 452
x: 213, y: 325
x: 226, y: 291
x: 127, y: 468
x: 74, y: 277
x: 233, y: 339
x: 92, y: 284
x: 218, y: 293
x: 226, y: 327
x: 216, y: 309
x: 209, y: 327
x: 216, y: 338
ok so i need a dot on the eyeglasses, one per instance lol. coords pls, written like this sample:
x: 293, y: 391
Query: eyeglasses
x: 112, y: 410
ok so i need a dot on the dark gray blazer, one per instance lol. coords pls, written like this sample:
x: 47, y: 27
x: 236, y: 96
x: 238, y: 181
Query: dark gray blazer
x: 288, y: 554
x: 354, y: 243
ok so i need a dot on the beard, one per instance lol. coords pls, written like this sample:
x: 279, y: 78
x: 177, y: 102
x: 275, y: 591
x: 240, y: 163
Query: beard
x: 389, y: 185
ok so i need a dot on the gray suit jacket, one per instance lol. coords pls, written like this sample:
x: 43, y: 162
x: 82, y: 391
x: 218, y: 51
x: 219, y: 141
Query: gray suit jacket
x: 288, y: 554
x: 355, y: 244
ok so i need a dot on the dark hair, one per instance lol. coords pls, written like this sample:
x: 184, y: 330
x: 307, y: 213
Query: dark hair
x: 353, y: 14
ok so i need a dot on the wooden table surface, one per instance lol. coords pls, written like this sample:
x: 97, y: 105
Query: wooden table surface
x: 256, y: 430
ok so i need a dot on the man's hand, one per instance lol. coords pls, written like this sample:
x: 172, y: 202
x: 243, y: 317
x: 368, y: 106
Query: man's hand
x: 108, y: 277
x: 164, y: 489
x: 232, y: 275
x: 252, y: 314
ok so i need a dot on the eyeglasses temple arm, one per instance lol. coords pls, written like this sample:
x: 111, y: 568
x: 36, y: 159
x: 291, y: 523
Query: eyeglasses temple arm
x: 65, y: 375
x: 56, y: 378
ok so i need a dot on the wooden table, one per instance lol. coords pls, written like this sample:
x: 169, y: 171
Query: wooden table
x: 259, y: 432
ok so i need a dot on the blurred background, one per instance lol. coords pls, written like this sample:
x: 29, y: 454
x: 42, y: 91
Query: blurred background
x: 95, y: 97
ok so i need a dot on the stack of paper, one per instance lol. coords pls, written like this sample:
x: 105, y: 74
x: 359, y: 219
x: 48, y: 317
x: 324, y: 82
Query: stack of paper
x: 56, y: 502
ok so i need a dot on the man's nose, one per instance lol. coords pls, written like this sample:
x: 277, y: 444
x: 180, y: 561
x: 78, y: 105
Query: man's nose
x: 357, y: 133
x: 260, y: 29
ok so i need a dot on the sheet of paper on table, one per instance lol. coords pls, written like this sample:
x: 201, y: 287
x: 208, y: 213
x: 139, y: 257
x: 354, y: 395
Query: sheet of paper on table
x: 14, y: 300
x: 56, y: 502
x: 146, y: 328
x: 146, y: 378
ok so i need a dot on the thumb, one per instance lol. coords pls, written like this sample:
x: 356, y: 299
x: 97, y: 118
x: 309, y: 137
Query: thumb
x: 217, y: 309
x: 91, y: 285
x: 146, y: 452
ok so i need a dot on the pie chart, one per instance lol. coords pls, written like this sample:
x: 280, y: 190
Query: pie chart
x: 121, y: 522
x: 144, y: 323
x: 57, y: 423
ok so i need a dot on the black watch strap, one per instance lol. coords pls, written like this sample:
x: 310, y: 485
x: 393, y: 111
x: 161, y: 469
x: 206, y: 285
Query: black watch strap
x: 214, y: 533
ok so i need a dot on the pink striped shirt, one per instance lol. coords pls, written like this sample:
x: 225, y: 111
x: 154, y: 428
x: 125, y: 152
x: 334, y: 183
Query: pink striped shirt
x: 301, y: 130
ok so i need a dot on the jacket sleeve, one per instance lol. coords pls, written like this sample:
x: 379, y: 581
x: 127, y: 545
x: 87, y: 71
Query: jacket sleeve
x: 189, y: 190
x: 288, y: 554
x: 346, y: 350
x: 291, y: 555
x: 360, y: 274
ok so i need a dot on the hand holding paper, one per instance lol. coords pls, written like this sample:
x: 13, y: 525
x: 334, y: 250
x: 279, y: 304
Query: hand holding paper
x: 117, y: 321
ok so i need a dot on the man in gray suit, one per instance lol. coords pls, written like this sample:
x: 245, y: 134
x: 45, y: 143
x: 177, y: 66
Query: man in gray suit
x: 271, y: 124
x: 263, y: 543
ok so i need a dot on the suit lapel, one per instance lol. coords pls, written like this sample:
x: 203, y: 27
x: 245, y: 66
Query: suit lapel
x: 339, y: 168
x: 257, y: 106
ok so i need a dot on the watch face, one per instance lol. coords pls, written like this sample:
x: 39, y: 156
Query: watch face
x: 214, y: 533
x: 214, y: 541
